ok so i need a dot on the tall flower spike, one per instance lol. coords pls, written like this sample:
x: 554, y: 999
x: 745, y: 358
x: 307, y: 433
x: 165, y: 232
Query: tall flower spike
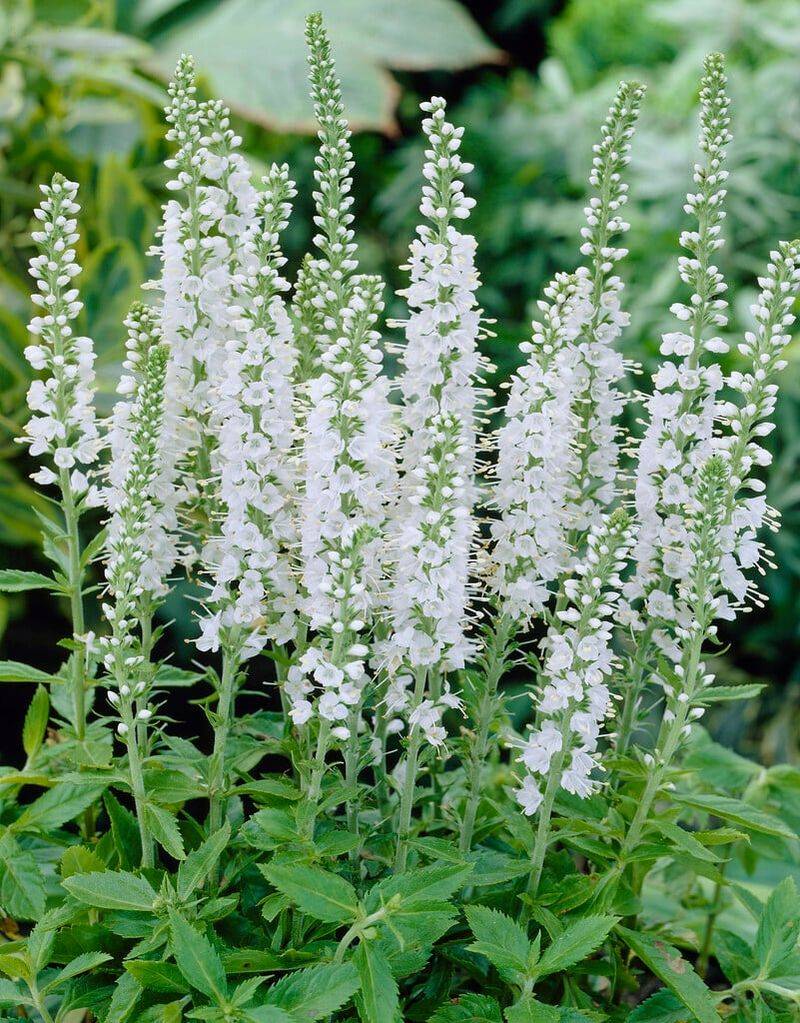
x: 748, y: 420
x: 126, y: 653
x: 63, y: 425
x: 203, y: 234
x: 349, y: 470
x: 433, y: 526
x: 681, y: 410
x: 327, y: 279
x: 601, y: 368
x: 253, y: 595
x: 538, y: 461
x: 575, y: 699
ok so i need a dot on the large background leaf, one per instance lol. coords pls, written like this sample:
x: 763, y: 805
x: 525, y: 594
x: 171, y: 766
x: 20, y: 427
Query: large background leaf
x: 262, y: 72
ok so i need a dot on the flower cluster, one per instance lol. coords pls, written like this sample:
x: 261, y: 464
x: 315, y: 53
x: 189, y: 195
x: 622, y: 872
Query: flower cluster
x: 132, y: 504
x: 63, y: 424
x: 682, y: 408
x: 577, y: 666
x: 600, y: 368
x: 349, y: 471
x: 253, y: 595
x: 538, y: 461
x: 202, y: 238
x: 432, y: 527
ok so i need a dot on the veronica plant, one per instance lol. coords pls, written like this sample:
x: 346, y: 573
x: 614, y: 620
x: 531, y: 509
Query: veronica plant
x: 393, y: 833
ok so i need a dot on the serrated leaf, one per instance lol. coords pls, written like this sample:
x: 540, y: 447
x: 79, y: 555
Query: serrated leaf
x: 469, y: 1009
x: 717, y: 694
x: 82, y: 963
x: 319, y: 893
x: 62, y: 803
x: 737, y: 812
x: 14, y: 671
x: 672, y: 969
x: 529, y: 1010
x: 778, y: 928
x: 436, y: 882
x: 165, y: 830
x: 662, y: 1007
x: 124, y: 831
x: 201, y: 861
x: 309, y: 995
x: 113, y: 889
x: 378, y: 998
x: 35, y: 726
x: 13, y: 580
x: 577, y: 941
x: 13, y: 994
x: 422, y: 923
x: 124, y: 1000
x: 80, y: 860
x: 164, y: 978
x: 502, y: 940
x: 685, y: 841
x: 21, y: 882
x: 197, y: 959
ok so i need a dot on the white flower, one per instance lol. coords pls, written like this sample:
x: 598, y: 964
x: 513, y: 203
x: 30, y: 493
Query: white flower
x: 578, y: 659
x: 63, y: 425
x: 432, y: 527
x: 252, y: 590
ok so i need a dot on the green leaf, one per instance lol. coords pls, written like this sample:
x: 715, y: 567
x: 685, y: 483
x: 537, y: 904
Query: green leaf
x: 197, y: 959
x: 164, y: 827
x: 201, y: 861
x: 422, y: 923
x: 502, y: 940
x: 662, y: 1007
x: 267, y: 1014
x: 717, y: 694
x: 672, y: 969
x: 36, y: 719
x: 124, y: 831
x: 778, y: 928
x: 528, y: 1010
x: 113, y: 889
x: 21, y: 882
x: 685, y: 841
x: 737, y: 812
x: 82, y: 963
x: 13, y: 580
x: 171, y: 677
x: 312, y: 994
x: 469, y: 1009
x: 164, y: 978
x: 12, y: 994
x: 268, y: 79
x: 78, y: 859
x: 436, y: 882
x: 317, y: 892
x: 13, y: 671
x: 379, y: 998
x: 124, y: 1000
x: 577, y: 941
x: 60, y: 804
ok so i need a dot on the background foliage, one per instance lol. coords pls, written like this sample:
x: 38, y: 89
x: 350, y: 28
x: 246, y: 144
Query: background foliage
x: 81, y: 87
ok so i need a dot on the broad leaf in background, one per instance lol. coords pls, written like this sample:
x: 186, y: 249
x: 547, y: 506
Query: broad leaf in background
x: 261, y: 71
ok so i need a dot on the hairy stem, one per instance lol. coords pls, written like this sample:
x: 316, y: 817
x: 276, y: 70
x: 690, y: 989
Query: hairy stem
x: 543, y: 829
x: 409, y: 780
x: 138, y: 789
x: 75, y: 580
x: 222, y: 727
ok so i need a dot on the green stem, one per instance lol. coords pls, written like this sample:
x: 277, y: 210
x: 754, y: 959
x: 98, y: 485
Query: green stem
x: 494, y: 672
x: 317, y: 773
x: 75, y: 580
x: 351, y: 752
x: 409, y: 780
x: 714, y: 911
x: 138, y: 789
x: 224, y: 715
x: 543, y: 829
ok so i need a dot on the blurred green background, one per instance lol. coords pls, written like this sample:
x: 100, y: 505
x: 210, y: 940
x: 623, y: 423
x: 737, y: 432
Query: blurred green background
x: 81, y: 90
